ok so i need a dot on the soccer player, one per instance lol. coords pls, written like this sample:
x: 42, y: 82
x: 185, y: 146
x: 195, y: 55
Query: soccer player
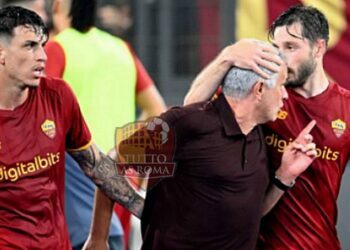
x: 40, y: 119
x: 305, y: 217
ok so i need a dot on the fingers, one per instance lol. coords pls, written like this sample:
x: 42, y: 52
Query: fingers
x: 264, y: 46
x: 251, y: 53
x: 304, y: 133
x: 273, y: 59
x: 312, y: 153
x: 267, y: 57
x: 304, y: 141
x: 260, y: 72
x: 269, y: 61
x: 308, y: 138
x: 270, y: 65
x: 309, y: 149
x: 270, y: 55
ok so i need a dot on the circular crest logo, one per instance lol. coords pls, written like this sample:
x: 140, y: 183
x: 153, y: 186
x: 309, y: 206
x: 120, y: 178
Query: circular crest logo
x: 145, y: 152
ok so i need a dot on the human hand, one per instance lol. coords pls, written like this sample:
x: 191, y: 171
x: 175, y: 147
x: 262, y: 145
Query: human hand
x: 298, y: 156
x: 250, y: 53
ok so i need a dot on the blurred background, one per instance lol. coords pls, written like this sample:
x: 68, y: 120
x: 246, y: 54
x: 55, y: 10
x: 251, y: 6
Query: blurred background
x: 175, y: 39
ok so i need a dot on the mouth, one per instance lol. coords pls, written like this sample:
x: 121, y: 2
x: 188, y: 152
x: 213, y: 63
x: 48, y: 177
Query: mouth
x: 39, y: 71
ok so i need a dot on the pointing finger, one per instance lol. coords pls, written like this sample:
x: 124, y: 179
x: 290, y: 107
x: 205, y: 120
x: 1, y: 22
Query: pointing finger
x: 305, y: 131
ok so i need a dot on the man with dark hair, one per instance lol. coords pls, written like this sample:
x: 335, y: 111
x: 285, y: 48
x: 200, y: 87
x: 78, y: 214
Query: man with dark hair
x: 105, y: 75
x: 40, y: 119
x: 305, y: 218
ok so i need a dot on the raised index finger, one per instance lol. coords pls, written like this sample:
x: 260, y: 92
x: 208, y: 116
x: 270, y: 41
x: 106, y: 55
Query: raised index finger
x: 306, y: 131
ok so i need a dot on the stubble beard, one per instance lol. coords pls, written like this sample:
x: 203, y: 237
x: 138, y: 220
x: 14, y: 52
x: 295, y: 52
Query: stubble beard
x: 302, y: 74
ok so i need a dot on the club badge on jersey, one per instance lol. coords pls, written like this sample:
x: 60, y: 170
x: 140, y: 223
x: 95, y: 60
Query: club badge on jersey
x: 49, y: 128
x: 338, y: 127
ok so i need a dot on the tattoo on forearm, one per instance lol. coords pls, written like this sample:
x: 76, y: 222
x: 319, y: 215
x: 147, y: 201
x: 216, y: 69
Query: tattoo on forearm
x: 101, y: 169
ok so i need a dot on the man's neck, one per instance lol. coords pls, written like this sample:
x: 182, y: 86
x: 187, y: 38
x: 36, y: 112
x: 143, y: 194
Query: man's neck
x: 315, y: 85
x: 243, y: 113
x: 12, y: 96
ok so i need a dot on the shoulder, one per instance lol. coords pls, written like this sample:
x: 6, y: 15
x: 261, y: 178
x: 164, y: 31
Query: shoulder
x: 53, y: 83
x: 54, y: 86
x: 341, y: 91
x: 107, y: 37
x: 191, y: 116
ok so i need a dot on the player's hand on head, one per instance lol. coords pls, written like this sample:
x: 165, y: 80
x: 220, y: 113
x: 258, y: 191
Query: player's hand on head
x: 250, y: 53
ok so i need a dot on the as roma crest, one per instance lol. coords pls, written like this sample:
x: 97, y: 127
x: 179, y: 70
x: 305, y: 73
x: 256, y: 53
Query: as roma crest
x: 338, y: 127
x: 282, y: 115
x: 49, y: 128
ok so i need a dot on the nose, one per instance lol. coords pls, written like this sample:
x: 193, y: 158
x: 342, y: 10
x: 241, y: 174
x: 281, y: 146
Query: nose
x: 41, y: 54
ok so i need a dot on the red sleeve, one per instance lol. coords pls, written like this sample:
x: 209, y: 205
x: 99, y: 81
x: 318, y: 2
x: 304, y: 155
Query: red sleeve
x: 56, y: 60
x: 78, y: 135
x: 143, y: 79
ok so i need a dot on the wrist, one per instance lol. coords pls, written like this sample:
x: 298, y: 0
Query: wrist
x: 284, y: 176
x: 226, y: 59
x: 281, y: 185
x: 98, y: 236
x: 283, y: 180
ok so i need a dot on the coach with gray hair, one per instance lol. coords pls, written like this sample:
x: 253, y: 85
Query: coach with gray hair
x: 217, y: 196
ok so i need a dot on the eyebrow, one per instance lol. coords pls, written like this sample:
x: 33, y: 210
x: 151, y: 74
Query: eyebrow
x: 31, y: 42
x: 40, y: 41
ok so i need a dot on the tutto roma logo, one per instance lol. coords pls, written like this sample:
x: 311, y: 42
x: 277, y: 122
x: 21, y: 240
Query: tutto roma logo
x: 338, y: 127
x: 49, y: 128
x: 145, y: 152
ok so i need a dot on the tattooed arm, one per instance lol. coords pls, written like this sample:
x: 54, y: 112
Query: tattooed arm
x: 102, y: 170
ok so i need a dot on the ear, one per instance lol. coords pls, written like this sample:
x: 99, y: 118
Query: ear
x: 56, y: 5
x: 2, y: 54
x: 320, y: 47
x: 258, y: 90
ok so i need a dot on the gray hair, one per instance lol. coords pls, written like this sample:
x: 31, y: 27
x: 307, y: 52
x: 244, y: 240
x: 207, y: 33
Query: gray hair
x: 238, y: 82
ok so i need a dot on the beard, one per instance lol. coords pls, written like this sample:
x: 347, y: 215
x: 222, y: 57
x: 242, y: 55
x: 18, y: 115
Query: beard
x: 302, y: 73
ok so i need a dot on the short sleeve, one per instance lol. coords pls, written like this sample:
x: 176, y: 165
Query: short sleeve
x: 143, y: 79
x: 56, y: 61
